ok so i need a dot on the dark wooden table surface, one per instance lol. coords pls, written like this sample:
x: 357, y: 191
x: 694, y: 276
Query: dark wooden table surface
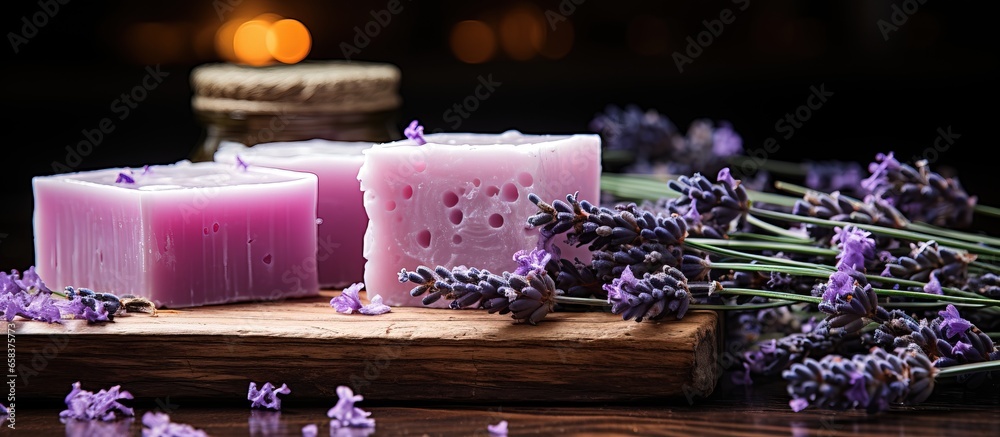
x: 761, y: 409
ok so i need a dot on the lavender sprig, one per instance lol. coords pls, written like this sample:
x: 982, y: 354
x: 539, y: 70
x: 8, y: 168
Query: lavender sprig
x: 947, y: 340
x: 920, y: 193
x: 528, y: 298
x: 872, y: 382
x: 711, y: 210
x: 651, y: 297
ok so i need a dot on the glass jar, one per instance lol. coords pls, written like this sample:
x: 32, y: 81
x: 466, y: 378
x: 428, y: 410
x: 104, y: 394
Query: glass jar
x: 332, y: 100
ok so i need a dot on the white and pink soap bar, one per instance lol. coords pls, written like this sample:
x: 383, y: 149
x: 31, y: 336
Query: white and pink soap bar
x: 462, y: 199
x: 341, y: 211
x: 182, y: 235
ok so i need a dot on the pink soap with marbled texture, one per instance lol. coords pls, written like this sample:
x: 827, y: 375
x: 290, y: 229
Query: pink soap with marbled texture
x: 342, y: 215
x: 182, y: 235
x: 462, y: 199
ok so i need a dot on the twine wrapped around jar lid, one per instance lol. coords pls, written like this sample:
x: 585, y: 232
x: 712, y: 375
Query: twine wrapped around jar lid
x: 307, y: 87
x: 334, y: 100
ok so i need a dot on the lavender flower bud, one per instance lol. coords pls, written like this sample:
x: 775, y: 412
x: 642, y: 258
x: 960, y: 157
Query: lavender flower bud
x: 873, y: 382
x: 922, y: 195
x: 950, y: 267
x: 849, y: 304
x: 652, y: 297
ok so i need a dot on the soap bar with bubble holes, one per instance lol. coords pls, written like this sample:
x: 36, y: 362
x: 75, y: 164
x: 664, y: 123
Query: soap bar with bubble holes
x: 462, y: 199
x: 182, y: 235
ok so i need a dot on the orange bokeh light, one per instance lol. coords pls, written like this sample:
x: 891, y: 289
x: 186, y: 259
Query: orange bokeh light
x: 473, y: 41
x: 250, y: 43
x: 263, y: 40
x: 288, y: 41
x: 522, y: 32
x: 224, y: 38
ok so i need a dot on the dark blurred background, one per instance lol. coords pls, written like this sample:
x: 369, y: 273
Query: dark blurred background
x: 898, y: 71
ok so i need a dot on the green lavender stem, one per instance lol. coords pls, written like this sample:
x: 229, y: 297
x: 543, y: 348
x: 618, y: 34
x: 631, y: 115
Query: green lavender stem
x: 764, y: 245
x: 961, y: 369
x: 751, y: 236
x: 769, y: 294
x: 776, y: 230
x: 742, y: 307
x: 912, y: 226
x: 693, y: 242
x: 882, y: 230
x: 987, y: 210
x: 880, y: 291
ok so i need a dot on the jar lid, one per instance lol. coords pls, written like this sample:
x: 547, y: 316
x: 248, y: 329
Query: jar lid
x: 305, y: 87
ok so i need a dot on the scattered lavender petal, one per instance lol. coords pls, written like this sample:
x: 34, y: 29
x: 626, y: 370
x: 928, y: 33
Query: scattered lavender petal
x: 415, y: 132
x: 348, y: 302
x: 310, y: 430
x: 86, y: 405
x: 375, y: 307
x: 345, y: 415
x: 266, y: 396
x: 529, y: 260
x: 500, y: 429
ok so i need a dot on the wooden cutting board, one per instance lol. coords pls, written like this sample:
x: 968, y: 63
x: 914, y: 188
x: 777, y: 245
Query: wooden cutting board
x: 427, y: 354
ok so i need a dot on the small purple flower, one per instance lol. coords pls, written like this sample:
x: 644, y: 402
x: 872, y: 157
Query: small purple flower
x: 840, y: 284
x: 125, y: 177
x: 349, y: 302
x: 726, y: 177
x: 725, y: 141
x: 267, y: 396
x: 618, y: 297
x: 533, y: 260
x: 849, y: 304
x: 884, y: 162
x: 310, y: 430
x: 159, y: 425
x: 952, y: 324
x: 933, y: 286
x: 375, y: 307
x: 798, y: 404
x: 86, y: 405
x: 30, y: 280
x: 43, y: 308
x: 3, y: 409
x: 856, y: 247
x: 345, y: 415
x: 415, y: 132
x: 500, y: 429
x: 241, y: 164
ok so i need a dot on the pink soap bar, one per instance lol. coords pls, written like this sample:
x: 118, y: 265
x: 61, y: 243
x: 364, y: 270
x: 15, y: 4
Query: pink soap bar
x: 342, y: 215
x: 462, y: 199
x: 182, y: 235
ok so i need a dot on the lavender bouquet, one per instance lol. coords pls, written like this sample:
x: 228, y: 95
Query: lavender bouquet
x: 856, y: 301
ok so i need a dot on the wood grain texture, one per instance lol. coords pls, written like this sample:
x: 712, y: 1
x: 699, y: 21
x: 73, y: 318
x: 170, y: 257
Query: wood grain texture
x: 408, y: 354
